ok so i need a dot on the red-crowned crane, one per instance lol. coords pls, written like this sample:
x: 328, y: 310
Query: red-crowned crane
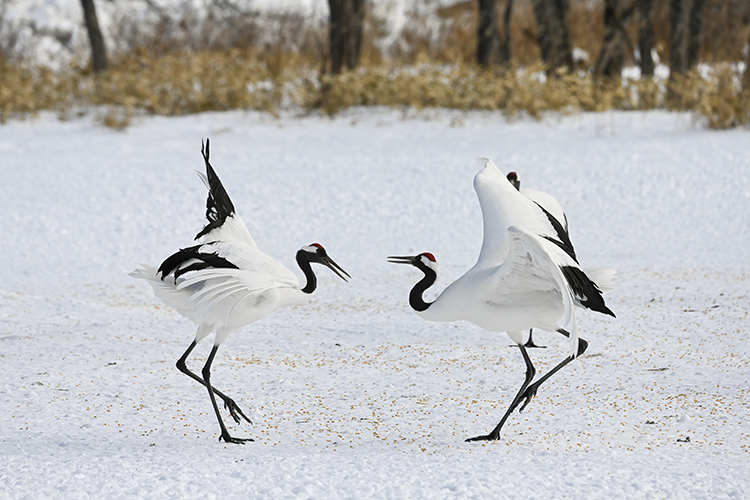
x: 225, y: 283
x: 527, y: 276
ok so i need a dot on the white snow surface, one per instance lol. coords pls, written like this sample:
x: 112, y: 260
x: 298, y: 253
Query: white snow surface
x: 353, y: 395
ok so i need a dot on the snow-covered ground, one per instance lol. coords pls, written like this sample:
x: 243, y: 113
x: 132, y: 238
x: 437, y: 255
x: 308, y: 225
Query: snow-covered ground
x: 353, y: 395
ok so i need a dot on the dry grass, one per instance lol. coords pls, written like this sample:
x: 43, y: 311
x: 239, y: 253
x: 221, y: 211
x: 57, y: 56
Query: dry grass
x: 229, y: 62
x: 212, y: 81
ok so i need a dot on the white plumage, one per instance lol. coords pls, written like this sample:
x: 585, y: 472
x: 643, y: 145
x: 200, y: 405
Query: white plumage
x: 604, y: 277
x: 225, y: 299
x: 527, y: 276
x: 225, y: 282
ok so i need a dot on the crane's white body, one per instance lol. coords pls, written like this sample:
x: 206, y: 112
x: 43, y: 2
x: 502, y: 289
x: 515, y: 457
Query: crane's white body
x: 517, y: 283
x: 225, y: 299
x: 523, y: 292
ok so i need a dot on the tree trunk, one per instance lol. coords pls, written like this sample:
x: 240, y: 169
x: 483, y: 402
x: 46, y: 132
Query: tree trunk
x: 678, y: 37
x: 98, y: 51
x: 746, y: 76
x: 554, y: 35
x: 356, y: 32
x: 695, y: 33
x: 506, y: 53
x: 488, y: 42
x: 612, y: 56
x: 646, y: 37
x: 345, y: 33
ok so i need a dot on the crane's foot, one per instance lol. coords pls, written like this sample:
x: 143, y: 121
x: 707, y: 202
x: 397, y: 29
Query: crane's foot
x: 229, y: 439
x: 489, y: 437
x: 532, y: 345
x: 235, y: 411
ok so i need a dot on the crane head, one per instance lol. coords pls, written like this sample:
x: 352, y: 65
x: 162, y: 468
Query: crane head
x: 315, y: 252
x: 423, y: 261
x: 513, y: 178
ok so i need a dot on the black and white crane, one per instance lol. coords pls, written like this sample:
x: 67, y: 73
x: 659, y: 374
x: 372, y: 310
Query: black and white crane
x: 527, y: 276
x: 225, y: 283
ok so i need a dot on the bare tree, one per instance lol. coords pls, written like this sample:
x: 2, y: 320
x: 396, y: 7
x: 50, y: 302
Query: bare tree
x: 554, y: 33
x: 505, y: 48
x: 491, y: 48
x: 488, y: 45
x: 645, y: 37
x: 98, y: 51
x: 345, y: 34
x: 695, y: 33
x: 612, y: 56
x: 685, y: 39
x: 677, y: 37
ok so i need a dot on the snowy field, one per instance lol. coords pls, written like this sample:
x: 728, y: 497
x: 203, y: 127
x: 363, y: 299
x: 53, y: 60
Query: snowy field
x: 353, y: 395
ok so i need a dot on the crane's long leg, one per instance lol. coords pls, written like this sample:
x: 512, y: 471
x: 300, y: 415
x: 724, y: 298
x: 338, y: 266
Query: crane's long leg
x: 530, y: 392
x: 207, y: 379
x: 530, y: 372
x: 229, y: 403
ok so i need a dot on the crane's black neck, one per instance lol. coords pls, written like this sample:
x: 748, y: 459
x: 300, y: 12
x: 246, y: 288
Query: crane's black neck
x: 415, y: 297
x: 304, y: 263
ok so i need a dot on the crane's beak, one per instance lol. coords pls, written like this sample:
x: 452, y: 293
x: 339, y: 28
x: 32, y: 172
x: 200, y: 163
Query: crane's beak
x: 330, y: 264
x: 402, y: 260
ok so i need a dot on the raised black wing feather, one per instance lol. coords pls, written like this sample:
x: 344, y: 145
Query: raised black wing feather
x: 585, y: 290
x: 191, y: 259
x: 218, y: 204
x: 563, y: 240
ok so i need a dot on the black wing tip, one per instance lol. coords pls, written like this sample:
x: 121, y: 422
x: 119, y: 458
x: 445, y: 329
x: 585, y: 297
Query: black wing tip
x: 205, y: 146
x: 583, y: 287
x: 202, y: 260
x: 173, y: 261
x: 218, y: 204
x: 563, y: 238
x: 206, y: 153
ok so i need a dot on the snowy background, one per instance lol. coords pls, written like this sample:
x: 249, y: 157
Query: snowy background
x: 353, y: 395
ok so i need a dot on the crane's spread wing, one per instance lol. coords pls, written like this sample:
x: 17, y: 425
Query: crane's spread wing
x: 533, y: 264
x: 224, y: 255
x: 536, y: 264
x: 205, y: 283
x: 549, y: 203
x: 210, y: 287
x: 210, y: 296
x: 504, y: 206
x: 604, y: 277
x: 223, y: 221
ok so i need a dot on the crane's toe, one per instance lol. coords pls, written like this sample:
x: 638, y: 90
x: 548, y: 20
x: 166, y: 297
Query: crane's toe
x: 235, y: 411
x: 488, y: 437
x: 229, y: 439
x: 531, y: 344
